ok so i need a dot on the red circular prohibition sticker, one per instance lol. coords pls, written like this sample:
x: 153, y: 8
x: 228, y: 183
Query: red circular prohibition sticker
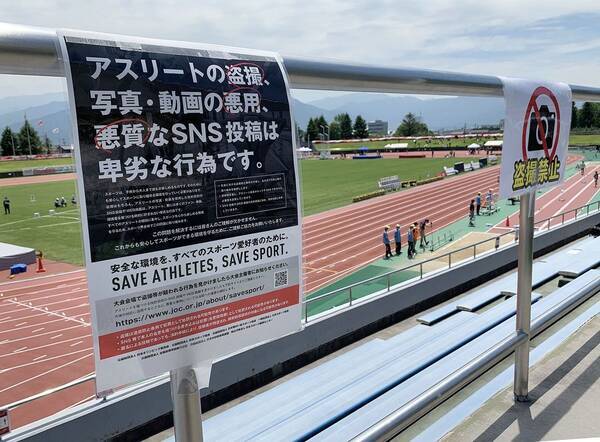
x: 541, y: 90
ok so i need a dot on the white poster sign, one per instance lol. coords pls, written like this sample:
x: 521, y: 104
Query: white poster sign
x: 536, y: 135
x: 189, y: 191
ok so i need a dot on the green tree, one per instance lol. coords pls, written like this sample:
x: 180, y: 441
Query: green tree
x: 28, y: 136
x: 8, y: 142
x: 585, y: 117
x: 334, y: 130
x: 596, y: 117
x: 360, y: 127
x: 312, y: 130
x: 411, y: 126
x: 345, y: 123
x: 574, y: 122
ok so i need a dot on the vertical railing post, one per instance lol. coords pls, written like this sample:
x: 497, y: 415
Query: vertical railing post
x: 474, y: 251
x: 523, y: 320
x: 187, y: 414
x: 450, y: 260
x: 306, y: 311
x: 421, y: 270
x: 563, y: 218
x: 388, y: 282
x: 350, y: 295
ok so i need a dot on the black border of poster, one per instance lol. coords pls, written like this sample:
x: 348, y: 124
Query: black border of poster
x: 130, y: 217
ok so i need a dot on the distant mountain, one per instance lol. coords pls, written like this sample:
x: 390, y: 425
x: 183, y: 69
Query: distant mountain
x: 12, y: 104
x: 439, y: 113
x: 53, y: 115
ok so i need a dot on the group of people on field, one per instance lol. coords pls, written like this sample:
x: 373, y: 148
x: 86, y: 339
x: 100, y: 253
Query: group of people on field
x: 475, y: 205
x: 62, y: 202
x: 416, y: 232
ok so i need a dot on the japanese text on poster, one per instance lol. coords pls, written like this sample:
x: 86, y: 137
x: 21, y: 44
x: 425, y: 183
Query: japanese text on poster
x: 189, y: 193
x: 536, y: 135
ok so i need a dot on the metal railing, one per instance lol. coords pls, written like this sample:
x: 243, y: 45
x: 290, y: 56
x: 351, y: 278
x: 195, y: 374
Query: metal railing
x: 445, y: 262
x: 403, y: 417
x: 395, y: 279
x: 26, y: 50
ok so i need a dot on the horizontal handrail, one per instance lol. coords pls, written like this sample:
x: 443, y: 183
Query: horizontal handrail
x: 397, y: 421
x: 90, y: 377
x: 32, y: 50
x: 48, y: 392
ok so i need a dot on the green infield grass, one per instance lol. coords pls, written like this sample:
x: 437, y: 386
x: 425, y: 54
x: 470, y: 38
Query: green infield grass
x: 327, y: 184
x: 58, y: 236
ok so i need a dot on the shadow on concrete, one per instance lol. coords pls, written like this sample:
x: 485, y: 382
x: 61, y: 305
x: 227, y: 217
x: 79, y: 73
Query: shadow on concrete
x: 535, y: 429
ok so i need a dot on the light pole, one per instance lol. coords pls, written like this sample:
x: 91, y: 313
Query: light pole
x: 12, y: 140
x: 325, y: 131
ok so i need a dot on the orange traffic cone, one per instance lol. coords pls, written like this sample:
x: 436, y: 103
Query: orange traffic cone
x: 40, y: 264
x: 507, y: 224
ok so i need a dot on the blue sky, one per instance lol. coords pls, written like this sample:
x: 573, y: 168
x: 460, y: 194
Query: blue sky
x: 554, y: 40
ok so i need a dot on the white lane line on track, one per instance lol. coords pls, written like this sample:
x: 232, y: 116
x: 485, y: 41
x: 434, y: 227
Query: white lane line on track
x: 41, y: 334
x: 29, y: 289
x: 19, y: 349
x: 68, y: 318
x: 57, y: 336
x: 62, y: 313
x: 39, y: 357
x: 20, y: 324
x: 15, y: 367
x: 60, y: 367
x: 84, y: 289
x: 583, y: 189
x: 41, y: 278
x: 79, y: 340
x: 79, y: 298
x: 38, y: 329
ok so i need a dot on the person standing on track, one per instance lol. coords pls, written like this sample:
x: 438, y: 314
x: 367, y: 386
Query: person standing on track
x: 478, y: 202
x: 6, y: 204
x: 386, y: 243
x: 596, y: 179
x: 489, y: 199
x: 472, y: 214
x: 411, y: 242
x: 422, y: 227
x: 415, y: 230
x: 398, y: 240
x: 582, y: 168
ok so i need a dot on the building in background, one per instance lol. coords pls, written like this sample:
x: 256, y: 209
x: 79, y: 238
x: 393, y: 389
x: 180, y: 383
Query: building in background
x: 377, y: 127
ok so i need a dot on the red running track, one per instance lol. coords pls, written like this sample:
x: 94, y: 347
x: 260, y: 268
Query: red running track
x: 44, y: 322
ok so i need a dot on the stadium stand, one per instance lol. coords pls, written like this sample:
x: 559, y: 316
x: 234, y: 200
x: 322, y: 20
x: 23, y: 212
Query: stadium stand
x: 340, y: 398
